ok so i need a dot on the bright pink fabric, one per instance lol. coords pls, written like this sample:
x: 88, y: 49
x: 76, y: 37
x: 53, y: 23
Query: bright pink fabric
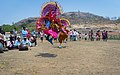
x: 51, y: 32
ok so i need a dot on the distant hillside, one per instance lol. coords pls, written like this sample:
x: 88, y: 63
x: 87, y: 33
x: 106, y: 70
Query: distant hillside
x: 85, y: 18
x: 74, y: 17
x: 28, y: 21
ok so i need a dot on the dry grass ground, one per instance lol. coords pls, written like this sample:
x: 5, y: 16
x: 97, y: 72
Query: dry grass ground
x: 78, y: 58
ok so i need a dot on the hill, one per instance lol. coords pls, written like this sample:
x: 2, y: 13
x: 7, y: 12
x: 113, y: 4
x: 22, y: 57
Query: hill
x: 74, y: 17
x: 85, y: 18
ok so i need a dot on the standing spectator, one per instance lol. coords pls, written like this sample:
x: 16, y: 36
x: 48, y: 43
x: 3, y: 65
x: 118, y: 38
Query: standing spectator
x: 1, y: 48
x: 38, y: 34
x: 86, y: 36
x: 1, y: 43
x: 33, y: 32
x: 80, y: 36
x: 89, y: 35
x: 104, y: 35
x: 77, y: 35
x: 71, y: 35
x: 1, y: 40
x: 15, y: 33
x: 1, y: 31
x: 41, y: 35
x: 98, y: 35
x: 24, y: 32
x: 29, y: 34
x: 74, y: 35
x: 12, y: 36
x: 5, y: 40
x: 92, y: 35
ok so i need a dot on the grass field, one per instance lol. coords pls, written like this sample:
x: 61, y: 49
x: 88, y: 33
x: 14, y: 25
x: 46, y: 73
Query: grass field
x: 77, y: 58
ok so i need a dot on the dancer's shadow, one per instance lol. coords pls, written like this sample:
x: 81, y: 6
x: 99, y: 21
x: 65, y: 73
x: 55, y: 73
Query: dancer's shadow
x: 48, y: 55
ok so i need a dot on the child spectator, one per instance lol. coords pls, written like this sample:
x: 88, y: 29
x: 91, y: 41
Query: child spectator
x: 33, y: 40
x: 41, y: 35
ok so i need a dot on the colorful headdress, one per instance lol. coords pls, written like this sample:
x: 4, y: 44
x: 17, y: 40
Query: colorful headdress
x: 51, y: 6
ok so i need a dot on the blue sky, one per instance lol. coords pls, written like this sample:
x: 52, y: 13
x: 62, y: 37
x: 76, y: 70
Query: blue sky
x: 16, y: 10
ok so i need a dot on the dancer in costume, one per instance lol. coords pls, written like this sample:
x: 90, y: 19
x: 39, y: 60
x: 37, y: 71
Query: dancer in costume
x: 51, y: 24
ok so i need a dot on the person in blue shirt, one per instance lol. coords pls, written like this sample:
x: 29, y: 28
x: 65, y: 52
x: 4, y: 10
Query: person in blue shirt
x: 33, y: 32
x: 1, y: 48
x: 17, y: 42
x: 24, y: 32
x: 26, y: 42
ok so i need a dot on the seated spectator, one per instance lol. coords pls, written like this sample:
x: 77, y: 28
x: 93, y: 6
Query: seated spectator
x: 33, y: 40
x: 10, y: 44
x: 1, y: 48
x: 24, y: 45
x: 25, y: 41
x: 17, y: 43
x: 1, y: 43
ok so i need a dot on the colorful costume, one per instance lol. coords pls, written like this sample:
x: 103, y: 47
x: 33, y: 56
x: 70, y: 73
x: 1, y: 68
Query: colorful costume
x: 51, y: 23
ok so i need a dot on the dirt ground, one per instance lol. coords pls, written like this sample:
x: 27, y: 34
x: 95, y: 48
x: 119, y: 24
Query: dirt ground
x: 78, y: 58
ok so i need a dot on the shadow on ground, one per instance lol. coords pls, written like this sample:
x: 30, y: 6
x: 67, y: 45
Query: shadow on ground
x: 48, y: 55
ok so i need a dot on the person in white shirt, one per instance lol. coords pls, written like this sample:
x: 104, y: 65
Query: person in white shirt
x: 15, y: 33
x: 41, y: 35
x: 5, y: 40
x: 86, y: 36
x: 75, y: 33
